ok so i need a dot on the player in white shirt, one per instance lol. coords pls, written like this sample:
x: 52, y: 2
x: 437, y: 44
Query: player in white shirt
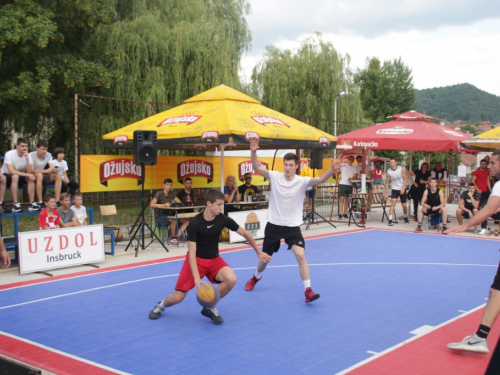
x: 476, y: 342
x: 17, y: 168
x: 285, y: 213
x: 45, y: 176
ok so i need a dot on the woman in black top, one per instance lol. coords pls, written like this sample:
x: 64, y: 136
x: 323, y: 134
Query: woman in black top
x: 419, y: 180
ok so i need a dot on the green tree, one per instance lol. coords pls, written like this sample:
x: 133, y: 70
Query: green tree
x: 304, y: 84
x: 385, y: 89
x: 46, y: 54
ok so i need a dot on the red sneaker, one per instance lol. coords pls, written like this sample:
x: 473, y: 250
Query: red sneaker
x: 251, y: 283
x: 419, y: 229
x: 310, y: 295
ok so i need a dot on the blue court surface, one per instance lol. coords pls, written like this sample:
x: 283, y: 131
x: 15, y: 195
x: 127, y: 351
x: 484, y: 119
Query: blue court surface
x: 376, y: 287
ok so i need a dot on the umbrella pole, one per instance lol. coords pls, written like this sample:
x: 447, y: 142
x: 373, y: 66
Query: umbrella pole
x: 409, y: 170
x: 222, y: 168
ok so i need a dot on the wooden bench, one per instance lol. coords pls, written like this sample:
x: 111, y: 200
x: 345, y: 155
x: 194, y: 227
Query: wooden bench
x: 361, y: 202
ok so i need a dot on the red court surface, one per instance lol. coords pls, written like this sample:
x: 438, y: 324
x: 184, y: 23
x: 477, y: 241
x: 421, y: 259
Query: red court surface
x: 428, y: 354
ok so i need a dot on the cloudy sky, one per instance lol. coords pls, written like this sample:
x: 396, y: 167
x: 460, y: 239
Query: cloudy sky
x: 444, y: 42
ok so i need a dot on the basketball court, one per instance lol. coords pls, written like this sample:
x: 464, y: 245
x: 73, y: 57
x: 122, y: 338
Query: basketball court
x: 390, y: 302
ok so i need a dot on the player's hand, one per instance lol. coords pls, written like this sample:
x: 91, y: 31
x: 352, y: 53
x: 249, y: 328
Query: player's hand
x: 385, y: 197
x: 456, y: 229
x: 31, y: 177
x: 434, y: 208
x: 266, y: 258
x: 254, y: 144
x: 5, y: 258
x: 198, y: 282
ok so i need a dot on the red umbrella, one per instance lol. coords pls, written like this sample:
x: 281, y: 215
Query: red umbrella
x: 410, y: 131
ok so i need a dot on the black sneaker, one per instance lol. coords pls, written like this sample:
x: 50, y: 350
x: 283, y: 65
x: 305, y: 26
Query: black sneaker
x: 340, y: 217
x: 58, y: 204
x: 390, y: 223
x: 407, y: 221
x: 42, y: 205
x: 345, y: 216
x: 444, y: 227
x: 212, y: 314
x: 5, y: 209
x: 17, y: 208
x: 34, y: 207
x: 156, y: 312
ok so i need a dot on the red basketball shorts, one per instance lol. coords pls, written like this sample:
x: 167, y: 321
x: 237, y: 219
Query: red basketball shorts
x: 206, y: 267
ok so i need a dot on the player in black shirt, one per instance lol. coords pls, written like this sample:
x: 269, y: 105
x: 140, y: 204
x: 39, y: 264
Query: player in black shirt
x: 203, y: 256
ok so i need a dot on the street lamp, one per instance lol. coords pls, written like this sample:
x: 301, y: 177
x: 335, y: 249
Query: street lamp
x: 335, y: 116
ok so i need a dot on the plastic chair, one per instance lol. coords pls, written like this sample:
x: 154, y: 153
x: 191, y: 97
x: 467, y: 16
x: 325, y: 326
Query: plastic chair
x: 432, y: 220
x: 111, y: 211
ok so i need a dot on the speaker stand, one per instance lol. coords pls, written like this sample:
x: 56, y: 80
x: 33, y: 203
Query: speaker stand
x: 141, y: 224
x: 311, y: 217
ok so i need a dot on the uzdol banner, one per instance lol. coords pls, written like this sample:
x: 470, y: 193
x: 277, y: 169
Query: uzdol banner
x: 119, y: 173
x: 44, y: 250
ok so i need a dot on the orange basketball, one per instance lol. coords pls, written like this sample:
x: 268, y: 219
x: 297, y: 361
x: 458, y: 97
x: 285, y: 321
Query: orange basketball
x: 207, y: 295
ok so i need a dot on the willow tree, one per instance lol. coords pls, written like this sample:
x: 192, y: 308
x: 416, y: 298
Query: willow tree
x: 304, y: 84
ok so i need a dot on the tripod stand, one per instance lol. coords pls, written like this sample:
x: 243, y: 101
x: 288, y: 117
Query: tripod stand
x: 141, y: 224
x: 311, y: 216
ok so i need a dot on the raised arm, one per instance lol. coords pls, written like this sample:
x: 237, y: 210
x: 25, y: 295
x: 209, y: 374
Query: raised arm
x: 254, y: 146
x: 335, y: 167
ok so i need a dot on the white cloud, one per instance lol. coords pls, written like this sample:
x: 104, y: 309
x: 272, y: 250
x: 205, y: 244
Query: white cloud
x: 444, y: 42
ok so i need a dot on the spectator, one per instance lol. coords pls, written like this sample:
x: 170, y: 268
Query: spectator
x: 231, y: 195
x: 67, y: 216
x: 397, y: 177
x: 481, y: 180
x: 419, y: 184
x: 307, y: 171
x: 347, y: 172
x: 62, y: 166
x: 162, y: 200
x: 439, y: 173
x: 79, y: 209
x: 4, y: 256
x: 377, y: 174
x: 432, y: 204
x: 49, y: 217
x: 469, y: 204
x: 17, y: 168
x: 186, y: 197
x: 44, y: 171
x: 247, y: 188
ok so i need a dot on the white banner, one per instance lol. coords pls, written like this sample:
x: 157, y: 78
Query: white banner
x: 253, y: 221
x: 57, y: 248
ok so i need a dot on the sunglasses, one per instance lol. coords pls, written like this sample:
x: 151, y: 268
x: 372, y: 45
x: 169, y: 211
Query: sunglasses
x: 248, y: 178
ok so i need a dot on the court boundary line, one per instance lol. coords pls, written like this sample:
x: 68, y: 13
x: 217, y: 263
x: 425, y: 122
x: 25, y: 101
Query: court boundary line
x: 20, y: 284
x: 416, y: 337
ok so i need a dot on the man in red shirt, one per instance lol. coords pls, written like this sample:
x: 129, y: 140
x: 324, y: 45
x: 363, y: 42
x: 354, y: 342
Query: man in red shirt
x: 481, y: 179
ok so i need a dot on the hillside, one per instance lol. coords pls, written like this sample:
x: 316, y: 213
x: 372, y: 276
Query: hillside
x: 459, y: 102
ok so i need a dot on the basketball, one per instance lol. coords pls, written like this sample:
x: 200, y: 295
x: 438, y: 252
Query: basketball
x: 207, y: 295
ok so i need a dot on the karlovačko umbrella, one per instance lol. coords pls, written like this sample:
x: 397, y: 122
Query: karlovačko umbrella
x: 487, y: 141
x: 411, y: 131
x: 223, y: 117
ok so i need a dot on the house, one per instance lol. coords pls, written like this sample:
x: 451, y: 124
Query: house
x: 469, y: 161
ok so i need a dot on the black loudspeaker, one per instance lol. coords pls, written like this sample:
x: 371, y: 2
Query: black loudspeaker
x: 145, y: 147
x: 317, y: 159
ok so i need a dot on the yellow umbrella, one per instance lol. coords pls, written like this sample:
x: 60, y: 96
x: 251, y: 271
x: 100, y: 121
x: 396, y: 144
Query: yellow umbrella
x: 224, y: 117
x: 487, y: 141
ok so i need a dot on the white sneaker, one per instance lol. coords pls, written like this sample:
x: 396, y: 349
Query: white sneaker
x: 472, y: 343
x: 483, y: 232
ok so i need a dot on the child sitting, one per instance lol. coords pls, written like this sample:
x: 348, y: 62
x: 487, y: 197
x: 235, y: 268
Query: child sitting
x: 79, y: 210
x: 62, y: 166
x: 49, y: 216
x: 67, y: 215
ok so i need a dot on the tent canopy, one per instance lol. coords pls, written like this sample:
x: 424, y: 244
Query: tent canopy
x: 487, y: 141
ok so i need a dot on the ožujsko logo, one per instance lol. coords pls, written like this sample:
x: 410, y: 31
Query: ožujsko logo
x: 250, y: 135
x: 210, y: 136
x: 186, y: 119
x: 324, y: 141
x: 195, y: 168
x: 246, y: 167
x: 120, y: 139
x: 265, y: 120
x: 119, y: 168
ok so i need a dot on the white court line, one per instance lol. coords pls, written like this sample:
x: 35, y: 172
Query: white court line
x: 359, y: 364
x: 239, y: 269
x: 64, y: 354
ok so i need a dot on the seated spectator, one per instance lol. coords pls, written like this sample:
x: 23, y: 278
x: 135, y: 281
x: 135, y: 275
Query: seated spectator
x: 17, y: 168
x: 432, y: 204
x: 247, y: 188
x: 79, y: 209
x: 62, y: 166
x: 4, y: 256
x: 440, y: 174
x: 44, y: 171
x: 162, y: 200
x: 187, y: 197
x: 468, y: 205
x: 49, y: 216
x: 66, y: 215
x: 419, y: 179
x: 231, y: 195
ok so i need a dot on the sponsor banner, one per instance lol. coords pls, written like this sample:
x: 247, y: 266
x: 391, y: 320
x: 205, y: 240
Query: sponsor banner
x: 254, y: 221
x: 44, y: 250
x: 99, y: 173
x: 398, y: 130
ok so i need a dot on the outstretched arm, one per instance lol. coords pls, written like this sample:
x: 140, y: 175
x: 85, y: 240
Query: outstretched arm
x: 483, y: 214
x: 254, y: 146
x: 329, y: 173
x: 245, y: 234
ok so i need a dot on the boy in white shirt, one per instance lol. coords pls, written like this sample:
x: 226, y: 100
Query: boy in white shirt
x: 17, y: 168
x: 79, y: 209
x: 62, y: 166
x: 45, y: 176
